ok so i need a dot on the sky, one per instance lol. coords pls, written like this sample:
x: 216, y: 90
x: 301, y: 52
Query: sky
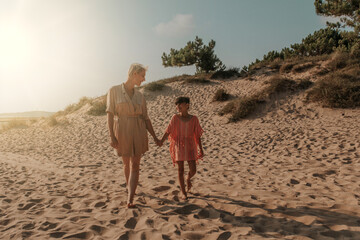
x: 53, y: 52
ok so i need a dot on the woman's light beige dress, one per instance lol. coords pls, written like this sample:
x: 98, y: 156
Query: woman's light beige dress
x: 129, y: 121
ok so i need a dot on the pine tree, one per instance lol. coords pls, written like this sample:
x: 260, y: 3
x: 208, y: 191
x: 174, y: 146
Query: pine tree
x: 194, y: 53
x: 347, y: 10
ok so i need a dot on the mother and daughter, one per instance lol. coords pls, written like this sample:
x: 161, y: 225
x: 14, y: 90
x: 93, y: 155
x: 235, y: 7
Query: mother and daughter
x: 128, y: 124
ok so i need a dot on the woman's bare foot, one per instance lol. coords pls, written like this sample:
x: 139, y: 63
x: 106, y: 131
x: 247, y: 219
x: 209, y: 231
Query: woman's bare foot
x: 189, y: 184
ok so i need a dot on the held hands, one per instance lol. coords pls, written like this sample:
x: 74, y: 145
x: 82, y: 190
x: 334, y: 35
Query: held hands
x: 158, y: 142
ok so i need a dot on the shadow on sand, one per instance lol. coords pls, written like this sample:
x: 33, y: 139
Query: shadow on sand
x: 262, y: 225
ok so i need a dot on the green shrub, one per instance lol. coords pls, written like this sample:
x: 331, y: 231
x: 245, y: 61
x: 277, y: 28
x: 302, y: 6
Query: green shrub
x: 337, y: 90
x: 225, y: 74
x: 221, y: 95
x: 154, y: 86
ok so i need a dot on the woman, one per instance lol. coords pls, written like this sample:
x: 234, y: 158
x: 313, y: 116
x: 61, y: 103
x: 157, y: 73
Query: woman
x: 128, y: 124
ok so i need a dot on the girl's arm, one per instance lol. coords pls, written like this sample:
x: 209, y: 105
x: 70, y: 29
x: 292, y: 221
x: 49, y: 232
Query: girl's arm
x: 150, y: 128
x: 201, y: 148
x: 166, y: 135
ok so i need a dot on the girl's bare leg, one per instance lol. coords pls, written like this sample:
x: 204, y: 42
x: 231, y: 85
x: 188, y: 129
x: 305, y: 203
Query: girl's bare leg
x: 126, y: 162
x: 181, y: 178
x: 133, y: 179
x: 192, y: 172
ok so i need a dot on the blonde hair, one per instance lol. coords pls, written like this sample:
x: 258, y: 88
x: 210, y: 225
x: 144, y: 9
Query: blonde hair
x: 136, y: 68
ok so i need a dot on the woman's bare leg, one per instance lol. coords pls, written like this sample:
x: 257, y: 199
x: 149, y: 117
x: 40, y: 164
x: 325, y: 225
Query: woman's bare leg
x: 134, y: 177
x: 181, y: 177
x: 126, y: 162
x: 192, y: 172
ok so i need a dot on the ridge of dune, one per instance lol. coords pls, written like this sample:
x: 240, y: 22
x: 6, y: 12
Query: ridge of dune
x: 288, y: 171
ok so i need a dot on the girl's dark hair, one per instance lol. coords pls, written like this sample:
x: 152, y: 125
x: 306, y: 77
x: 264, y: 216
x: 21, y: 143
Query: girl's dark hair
x: 180, y: 100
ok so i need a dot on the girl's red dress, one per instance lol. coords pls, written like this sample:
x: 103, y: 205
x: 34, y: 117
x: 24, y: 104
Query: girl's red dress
x: 184, y: 138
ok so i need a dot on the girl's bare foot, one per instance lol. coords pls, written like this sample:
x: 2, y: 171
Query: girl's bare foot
x: 184, y: 197
x: 131, y: 205
x: 189, y: 184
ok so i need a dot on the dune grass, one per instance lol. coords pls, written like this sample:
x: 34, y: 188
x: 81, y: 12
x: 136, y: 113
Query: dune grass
x: 220, y: 96
x: 303, y: 67
x: 196, y: 80
x: 154, y: 86
x: 74, y: 107
x: 240, y: 108
x: 98, y: 107
x: 338, y: 90
x: 53, y: 121
x: 14, y: 123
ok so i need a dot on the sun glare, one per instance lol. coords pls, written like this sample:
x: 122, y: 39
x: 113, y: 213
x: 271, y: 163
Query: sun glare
x: 15, y: 47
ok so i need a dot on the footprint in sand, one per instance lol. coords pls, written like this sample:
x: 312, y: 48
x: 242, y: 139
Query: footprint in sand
x: 114, y: 221
x: 224, y: 236
x: 125, y: 236
x: 57, y: 234
x: 98, y: 229
x: 26, y: 207
x: 28, y: 226
x: 67, y: 206
x: 131, y: 223
x: 82, y: 235
x: 47, y: 225
x: 100, y: 204
x: 5, y: 222
x: 161, y: 188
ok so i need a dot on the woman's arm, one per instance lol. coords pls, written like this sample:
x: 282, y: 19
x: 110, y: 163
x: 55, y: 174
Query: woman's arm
x: 110, y: 121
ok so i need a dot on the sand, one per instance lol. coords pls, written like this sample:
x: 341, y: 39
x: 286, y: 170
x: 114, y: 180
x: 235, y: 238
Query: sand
x: 289, y: 171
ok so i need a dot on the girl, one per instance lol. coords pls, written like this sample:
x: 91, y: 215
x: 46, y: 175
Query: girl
x: 184, y: 132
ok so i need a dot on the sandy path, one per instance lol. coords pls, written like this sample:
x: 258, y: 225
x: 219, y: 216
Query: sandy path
x: 289, y: 172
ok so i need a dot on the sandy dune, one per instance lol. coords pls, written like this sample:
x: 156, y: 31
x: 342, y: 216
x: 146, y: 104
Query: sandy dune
x: 290, y: 171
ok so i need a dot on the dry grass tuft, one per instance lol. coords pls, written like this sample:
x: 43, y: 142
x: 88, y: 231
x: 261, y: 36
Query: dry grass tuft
x: 338, y: 90
x: 98, y: 108
x: 14, y: 123
x: 221, y: 95
x: 303, y: 67
x: 242, y: 107
x: 196, y: 81
x: 154, y: 86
